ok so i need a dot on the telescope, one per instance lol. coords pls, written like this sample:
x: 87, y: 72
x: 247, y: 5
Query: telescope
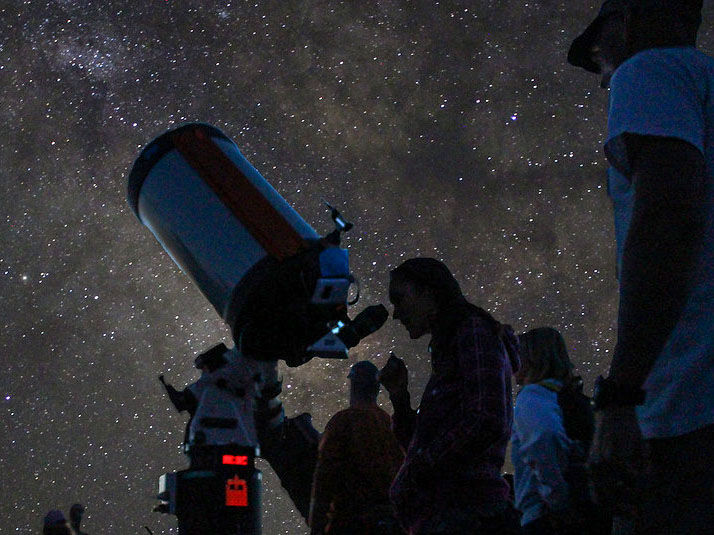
x: 283, y: 291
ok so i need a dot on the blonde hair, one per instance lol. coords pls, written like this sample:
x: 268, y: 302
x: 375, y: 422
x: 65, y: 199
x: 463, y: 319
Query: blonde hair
x: 544, y: 355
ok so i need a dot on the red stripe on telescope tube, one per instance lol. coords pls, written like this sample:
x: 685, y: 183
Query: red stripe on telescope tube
x: 268, y: 226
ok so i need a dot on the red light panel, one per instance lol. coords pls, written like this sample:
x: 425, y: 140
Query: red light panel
x: 240, y: 460
x: 236, y: 492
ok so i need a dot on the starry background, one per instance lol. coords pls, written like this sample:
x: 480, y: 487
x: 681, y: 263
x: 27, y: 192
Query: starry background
x: 451, y: 129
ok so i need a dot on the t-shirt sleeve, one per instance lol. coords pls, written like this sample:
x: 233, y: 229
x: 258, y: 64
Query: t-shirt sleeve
x: 655, y: 93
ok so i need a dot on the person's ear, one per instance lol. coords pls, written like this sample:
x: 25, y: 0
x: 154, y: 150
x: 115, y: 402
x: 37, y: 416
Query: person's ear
x: 428, y: 293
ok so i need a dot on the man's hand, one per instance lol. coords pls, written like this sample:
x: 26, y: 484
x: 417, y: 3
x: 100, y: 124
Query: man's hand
x: 617, y: 460
x: 394, y: 376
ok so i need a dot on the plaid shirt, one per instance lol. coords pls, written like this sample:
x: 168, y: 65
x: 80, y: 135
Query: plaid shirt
x: 457, y: 439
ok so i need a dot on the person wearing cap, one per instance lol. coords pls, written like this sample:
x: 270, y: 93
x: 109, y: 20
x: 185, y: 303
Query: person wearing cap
x: 55, y: 523
x: 660, y: 146
x: 357, y: 461
x: 451, y: 481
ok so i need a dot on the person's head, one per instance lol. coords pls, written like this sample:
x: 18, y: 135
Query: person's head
x: 601, y: 47
x: 419, y: 289
x: 364, y: 385
x: 624, y: 27
x: 543, y: 356
x: 55, y: 523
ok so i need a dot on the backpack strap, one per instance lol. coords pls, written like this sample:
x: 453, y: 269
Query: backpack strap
x: 551, y: 384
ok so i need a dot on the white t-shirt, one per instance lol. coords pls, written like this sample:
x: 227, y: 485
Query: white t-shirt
x: 540, y: 451
x: 669, y: 92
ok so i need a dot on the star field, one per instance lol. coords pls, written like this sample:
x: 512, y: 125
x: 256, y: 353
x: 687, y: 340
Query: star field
x: 446, y: 129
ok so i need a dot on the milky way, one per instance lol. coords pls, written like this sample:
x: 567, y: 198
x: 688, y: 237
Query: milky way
x: 446, y: 129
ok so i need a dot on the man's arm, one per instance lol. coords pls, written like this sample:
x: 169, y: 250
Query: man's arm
x: 395, y: 379
x: 663, y: 241
x: 403, y: 419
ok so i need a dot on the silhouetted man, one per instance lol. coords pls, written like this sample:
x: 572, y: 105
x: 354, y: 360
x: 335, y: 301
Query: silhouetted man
x: 661, y: 149
x: 357, y: 461
x: 450, y: 482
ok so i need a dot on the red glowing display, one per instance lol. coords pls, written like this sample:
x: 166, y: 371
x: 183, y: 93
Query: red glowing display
x: 240, y: 460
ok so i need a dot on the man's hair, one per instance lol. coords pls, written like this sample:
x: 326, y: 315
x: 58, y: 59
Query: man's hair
x: 453, y: 307
x: 544, y: 355
x: 432, y: 274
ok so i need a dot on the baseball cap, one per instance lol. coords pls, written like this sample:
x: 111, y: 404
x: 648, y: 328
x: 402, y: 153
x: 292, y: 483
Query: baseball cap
x: 579, y: 53
x: 363, y: 372
x: 55, y: 516
x: 687, y: 13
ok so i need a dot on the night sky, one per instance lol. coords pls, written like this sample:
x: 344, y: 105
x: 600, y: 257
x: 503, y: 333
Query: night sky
x: 446, y: 129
